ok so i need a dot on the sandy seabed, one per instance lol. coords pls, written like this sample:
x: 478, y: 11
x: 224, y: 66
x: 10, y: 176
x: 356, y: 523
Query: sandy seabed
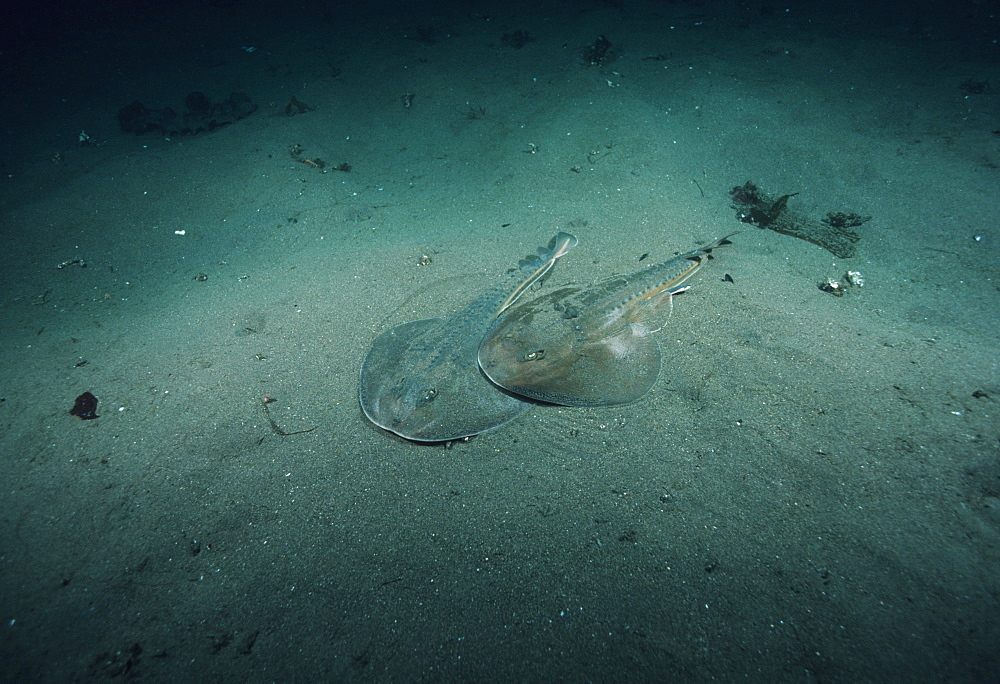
x: 811, y: 490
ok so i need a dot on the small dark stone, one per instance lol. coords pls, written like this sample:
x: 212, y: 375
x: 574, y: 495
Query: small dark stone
x: 517, y: 39
x: 596, y: 53
x: 973, y: 87
x: 85, y: 407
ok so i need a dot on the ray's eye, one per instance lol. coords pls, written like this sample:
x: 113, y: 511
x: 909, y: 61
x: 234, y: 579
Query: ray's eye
x: 535, y: 355
x: 429, y: 394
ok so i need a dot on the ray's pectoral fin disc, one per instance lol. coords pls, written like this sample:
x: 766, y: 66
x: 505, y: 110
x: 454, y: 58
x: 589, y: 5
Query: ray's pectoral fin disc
x: 538, y: 353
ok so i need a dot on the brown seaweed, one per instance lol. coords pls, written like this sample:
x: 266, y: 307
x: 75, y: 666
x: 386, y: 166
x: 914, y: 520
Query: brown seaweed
x: 833, y: 233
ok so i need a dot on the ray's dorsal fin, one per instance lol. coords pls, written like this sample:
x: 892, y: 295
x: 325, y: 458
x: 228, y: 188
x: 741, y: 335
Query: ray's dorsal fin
x: 538, y: 266
x: 653, y: 306
x: 653, y: 312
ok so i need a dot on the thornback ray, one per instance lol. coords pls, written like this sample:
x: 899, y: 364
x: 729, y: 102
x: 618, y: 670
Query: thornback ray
x: 421, y: 380
x: 589, y: 345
